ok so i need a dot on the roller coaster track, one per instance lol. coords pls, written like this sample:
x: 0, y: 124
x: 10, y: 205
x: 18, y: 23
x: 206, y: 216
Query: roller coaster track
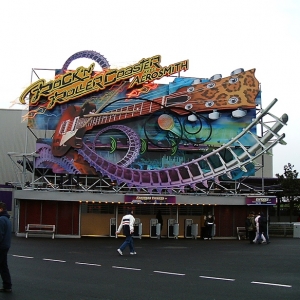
x: 133, y: 142
x: 46, y: 156
x: 199, y: 170
x: 93, y: 55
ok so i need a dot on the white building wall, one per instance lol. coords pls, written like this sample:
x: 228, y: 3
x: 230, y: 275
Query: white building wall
x: 15, y: 137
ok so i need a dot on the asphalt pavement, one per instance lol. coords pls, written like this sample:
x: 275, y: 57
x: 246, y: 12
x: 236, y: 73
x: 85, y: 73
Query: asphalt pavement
x: 91, y: 268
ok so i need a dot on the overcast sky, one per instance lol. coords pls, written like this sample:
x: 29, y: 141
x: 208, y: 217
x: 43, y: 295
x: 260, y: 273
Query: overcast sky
x: 216, y: 36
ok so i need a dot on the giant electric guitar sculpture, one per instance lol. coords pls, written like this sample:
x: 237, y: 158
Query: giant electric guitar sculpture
x: 229, y: 93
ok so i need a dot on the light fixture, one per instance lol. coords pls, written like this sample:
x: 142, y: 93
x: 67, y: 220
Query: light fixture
x: 192, y: 118
x: 269, y: 153
x: 215, y: 115
x: 205, y: 183
x: 239, y: 113
x: 229, y: 175
x: 243, y: 168
x: 282, y: 142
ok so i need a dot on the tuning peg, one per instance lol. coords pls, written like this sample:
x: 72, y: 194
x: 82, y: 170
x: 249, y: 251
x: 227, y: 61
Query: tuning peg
x: 215, y: 115
x: 215, y: 77
x: 237, y: 71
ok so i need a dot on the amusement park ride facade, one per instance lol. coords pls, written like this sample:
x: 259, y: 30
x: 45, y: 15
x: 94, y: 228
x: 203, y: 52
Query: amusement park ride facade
x: 118, y: 130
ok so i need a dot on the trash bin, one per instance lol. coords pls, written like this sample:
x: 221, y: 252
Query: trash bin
x: 296, y: 231
x: 112, y: 227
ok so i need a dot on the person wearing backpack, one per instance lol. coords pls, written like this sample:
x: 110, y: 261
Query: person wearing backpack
x: 250, y: 227
x: 5, y: 241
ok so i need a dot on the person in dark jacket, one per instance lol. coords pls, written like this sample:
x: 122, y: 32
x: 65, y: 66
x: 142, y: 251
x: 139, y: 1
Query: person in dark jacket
x: 251, y: 227
x: 262, y: 221
x: 5, y: 240
x: 160, y: 219
x: 209, y: 221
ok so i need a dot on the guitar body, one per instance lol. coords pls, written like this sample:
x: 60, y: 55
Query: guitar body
x: 66, y: 135
x: 238, y: 90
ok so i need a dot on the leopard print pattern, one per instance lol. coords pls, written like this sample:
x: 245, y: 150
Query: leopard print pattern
x: 236, y: 91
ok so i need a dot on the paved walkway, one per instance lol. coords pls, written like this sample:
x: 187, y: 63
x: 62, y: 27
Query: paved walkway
x: 91, y: 268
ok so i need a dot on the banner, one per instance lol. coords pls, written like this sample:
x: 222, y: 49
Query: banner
x: 149, y: 199
x: 261, y: 200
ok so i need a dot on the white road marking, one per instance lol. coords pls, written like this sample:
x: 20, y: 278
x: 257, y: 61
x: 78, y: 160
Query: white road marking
x: 87, y: 264
x: 160, y: 272
x: 133, y: 269
x: 54, y: 260
x: 169, y: 273
x: 21, y: 256
x: 217, y: 278
x: 274, y: 284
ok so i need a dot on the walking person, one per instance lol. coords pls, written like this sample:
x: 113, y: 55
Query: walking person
x: 262, y: 221
x: 251, y: 227
x: 259, y: 238
x: 127, y: 223
x: 5, y: 241
x: 209, y: 221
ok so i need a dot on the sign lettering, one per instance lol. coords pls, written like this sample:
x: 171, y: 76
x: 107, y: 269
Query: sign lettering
x: 83, y: 81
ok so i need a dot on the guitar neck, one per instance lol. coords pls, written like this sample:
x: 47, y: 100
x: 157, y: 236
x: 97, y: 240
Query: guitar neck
x: 119, y: 114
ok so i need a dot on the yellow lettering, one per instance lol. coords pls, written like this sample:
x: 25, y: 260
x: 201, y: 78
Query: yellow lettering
x: 34, y: 89
x: 74, y: 84
x: 155, y: 61
x: 66, y: 79
x: 135, y: 81
x: 147, y: 63
x: 110, y: 77
x: 128, y: 72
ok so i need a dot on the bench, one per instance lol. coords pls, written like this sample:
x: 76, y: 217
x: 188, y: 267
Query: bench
x: 241, y: 233
x: 40, y: 229
x: 281, y: 229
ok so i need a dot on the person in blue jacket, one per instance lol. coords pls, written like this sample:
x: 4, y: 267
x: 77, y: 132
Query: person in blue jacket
x: 5, y: 241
